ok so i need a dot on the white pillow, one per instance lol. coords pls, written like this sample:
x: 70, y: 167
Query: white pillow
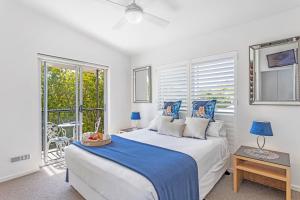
x: 170, y: 128
x: 195, y: 127
x: 154, y: 124
x: 223, y: 132
x: 215, y: 128
x: 180, y: 121
x: 182, y: 115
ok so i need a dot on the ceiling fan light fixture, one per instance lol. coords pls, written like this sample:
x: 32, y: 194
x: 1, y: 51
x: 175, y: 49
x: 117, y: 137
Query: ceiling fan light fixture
x: 134, y: 14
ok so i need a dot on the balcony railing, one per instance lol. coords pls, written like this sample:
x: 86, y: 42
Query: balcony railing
x: 67, y: 115
x: 68, y: 111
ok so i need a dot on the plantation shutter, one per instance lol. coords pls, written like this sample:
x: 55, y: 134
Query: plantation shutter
x: 214, y: 79
x: 173, y: 85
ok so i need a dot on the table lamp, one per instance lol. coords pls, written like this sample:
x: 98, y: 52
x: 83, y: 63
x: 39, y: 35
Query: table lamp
x: 135, y: 118
x: 261, y: 129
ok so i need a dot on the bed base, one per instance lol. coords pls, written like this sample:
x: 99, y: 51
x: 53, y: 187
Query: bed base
x: 210, y: 179
x: 83, y: 188
x: 227, y: 173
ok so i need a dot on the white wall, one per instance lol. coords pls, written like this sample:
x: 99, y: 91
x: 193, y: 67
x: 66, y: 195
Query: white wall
x: 23, y: 34
x: 285, y: 119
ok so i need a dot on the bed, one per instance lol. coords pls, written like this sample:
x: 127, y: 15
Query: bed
x: 95, y: 177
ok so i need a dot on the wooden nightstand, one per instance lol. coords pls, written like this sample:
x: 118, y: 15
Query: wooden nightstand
x: 126, y: 130
x: 274, y: 173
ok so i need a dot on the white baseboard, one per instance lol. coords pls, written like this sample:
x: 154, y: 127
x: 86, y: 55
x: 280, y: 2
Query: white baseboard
x: 296, y: 188
x: 18, y: 175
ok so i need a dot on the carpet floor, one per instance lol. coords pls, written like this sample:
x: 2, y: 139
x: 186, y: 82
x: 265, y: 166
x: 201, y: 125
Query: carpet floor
x: 48, y: 184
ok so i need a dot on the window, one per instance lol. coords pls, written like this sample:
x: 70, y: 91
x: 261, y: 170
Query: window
x: 214, y: 79
x: 173, y: 85
x: 209, y: 78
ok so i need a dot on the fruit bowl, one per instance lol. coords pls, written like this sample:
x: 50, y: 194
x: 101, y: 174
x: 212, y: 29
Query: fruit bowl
x: 94, y: 139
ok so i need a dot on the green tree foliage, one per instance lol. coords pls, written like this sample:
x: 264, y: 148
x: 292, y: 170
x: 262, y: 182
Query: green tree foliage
x: 221, y: 96
x: 62, y: 96
x: 90, y: 100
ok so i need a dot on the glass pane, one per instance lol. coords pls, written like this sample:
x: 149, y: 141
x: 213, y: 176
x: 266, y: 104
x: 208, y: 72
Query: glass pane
x: 93, y: 99
x: 61, y: 113
x: 61, y: 95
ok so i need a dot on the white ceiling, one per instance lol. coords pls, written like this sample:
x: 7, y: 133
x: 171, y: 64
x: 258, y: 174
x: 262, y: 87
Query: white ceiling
x: 188, y: 18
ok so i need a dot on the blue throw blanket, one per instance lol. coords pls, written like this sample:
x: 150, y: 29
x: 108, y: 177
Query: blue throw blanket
x: 173, y: 174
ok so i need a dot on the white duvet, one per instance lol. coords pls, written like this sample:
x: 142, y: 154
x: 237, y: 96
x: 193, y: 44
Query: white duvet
x: 115, y: 182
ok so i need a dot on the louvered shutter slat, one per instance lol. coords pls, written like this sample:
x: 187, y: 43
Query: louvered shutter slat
x: 173, y: 85
x: 214, y: 80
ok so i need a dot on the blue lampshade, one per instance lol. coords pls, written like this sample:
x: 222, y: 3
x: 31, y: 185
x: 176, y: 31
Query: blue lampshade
x: 261, y: 128
x: 135, y: 116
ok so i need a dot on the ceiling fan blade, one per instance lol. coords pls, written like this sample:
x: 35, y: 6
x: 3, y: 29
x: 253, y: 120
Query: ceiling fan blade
x: 116, y: 3
x: 120, y: 24
x: 156, y: 20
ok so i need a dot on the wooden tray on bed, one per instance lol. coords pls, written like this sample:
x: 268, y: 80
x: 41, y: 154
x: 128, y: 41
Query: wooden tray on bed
x: 96, y: 143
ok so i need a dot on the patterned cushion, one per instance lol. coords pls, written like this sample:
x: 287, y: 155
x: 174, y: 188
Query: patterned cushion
x: 204, y: 109
x: 172, y: 109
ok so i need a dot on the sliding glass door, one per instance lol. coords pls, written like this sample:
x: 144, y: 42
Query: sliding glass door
x: 73, y: 100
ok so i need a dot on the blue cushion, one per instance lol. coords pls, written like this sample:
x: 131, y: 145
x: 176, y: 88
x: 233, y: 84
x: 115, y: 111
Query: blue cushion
x: 204, y: 109
x: 171, y: 108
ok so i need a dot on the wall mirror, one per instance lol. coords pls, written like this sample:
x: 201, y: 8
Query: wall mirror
x: 274, y: 72
x: 142, y: 85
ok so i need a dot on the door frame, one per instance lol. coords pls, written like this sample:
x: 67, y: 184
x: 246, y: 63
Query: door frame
x: 78, y: 65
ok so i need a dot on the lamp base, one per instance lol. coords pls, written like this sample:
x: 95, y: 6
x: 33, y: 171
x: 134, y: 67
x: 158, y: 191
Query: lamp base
x: 262, y: 154
x: 135, y: 124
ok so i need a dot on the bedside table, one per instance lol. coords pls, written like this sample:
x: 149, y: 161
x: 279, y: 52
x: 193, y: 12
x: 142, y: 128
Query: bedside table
x: 273, y: 173
x: 126, y: 130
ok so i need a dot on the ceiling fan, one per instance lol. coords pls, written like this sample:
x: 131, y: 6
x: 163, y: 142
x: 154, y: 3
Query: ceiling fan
x: 134, y: 14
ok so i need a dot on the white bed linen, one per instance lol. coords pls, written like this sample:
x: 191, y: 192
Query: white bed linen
x: 116, y: 182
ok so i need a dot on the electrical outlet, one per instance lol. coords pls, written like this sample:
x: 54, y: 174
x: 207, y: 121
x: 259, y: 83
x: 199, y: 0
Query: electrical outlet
x: 20, y: 158
x: 15, y: 159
